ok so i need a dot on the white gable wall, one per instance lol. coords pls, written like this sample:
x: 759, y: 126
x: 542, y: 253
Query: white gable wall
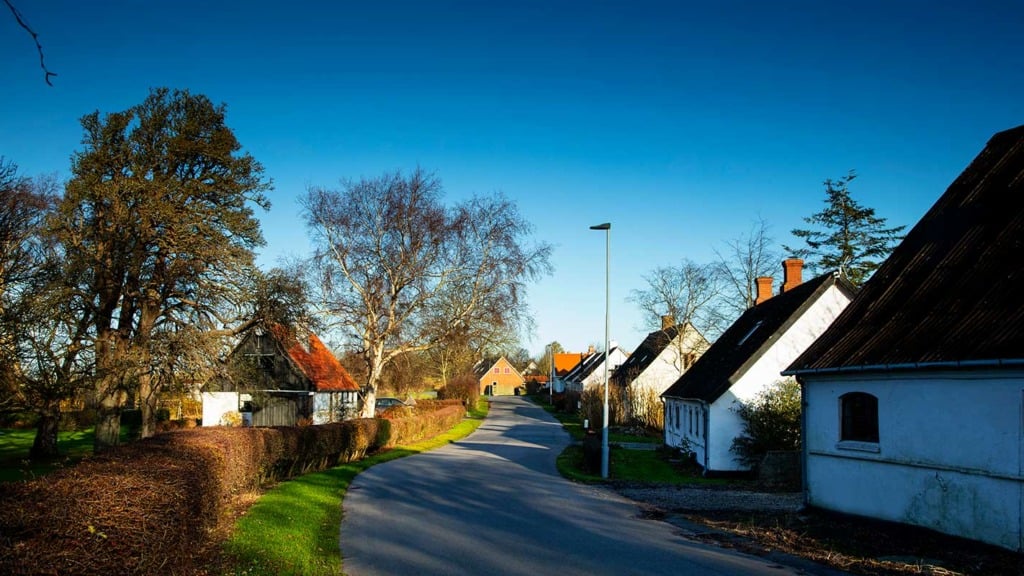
x: 596, y: 378
x: 725, y: 425
x: 948, y: 456
x: 216, y: 405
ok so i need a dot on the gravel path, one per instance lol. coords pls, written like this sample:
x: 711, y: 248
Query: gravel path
x: 684, y: 498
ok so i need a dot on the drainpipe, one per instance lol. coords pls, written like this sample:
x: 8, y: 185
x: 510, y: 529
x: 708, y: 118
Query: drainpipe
x: 706, y: 408
x: 803, y: 439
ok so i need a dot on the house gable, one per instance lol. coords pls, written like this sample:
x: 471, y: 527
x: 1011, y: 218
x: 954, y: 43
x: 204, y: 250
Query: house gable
x: 659, y: 347
x: 750, y: 337
x: 957, y: 273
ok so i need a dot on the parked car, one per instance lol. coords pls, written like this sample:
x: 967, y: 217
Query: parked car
x: 385, y: 403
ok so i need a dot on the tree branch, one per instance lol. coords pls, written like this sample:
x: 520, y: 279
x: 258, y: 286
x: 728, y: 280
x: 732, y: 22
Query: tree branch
x: 35, y: 38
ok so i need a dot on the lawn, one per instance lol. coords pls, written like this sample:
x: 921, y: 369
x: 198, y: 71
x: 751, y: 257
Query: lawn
x: 16, y: 442
x: 293, y: 528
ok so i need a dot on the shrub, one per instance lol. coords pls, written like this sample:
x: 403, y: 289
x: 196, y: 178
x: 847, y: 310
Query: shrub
x: 136, y: 508
x: 771, y: 421
x: 465, y: 387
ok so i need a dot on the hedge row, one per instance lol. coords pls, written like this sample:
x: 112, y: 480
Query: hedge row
x: 157, y: 506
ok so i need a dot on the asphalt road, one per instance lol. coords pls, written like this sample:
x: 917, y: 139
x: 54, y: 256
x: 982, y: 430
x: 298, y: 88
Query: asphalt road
x: 494, y: 503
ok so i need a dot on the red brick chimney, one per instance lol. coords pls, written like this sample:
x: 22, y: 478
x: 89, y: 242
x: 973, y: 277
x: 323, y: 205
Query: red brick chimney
x: 792, y: 273
x: 764, y: 289
x: 667, y: 321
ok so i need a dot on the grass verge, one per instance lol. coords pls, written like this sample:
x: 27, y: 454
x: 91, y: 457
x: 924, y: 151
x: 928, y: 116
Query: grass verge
x: 293, y: 528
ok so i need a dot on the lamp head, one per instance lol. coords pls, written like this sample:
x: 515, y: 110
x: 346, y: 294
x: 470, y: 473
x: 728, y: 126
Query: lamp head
x: 605, y: 226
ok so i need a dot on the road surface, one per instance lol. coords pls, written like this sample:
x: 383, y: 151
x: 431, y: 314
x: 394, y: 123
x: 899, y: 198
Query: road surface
x: 494, y: 503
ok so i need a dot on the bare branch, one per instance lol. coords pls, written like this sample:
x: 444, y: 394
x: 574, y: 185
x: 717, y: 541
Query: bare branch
x: 35, y: 38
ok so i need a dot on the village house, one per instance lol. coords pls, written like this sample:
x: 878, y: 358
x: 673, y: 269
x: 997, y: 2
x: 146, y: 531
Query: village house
x: 591, y: 370
x: 914, y: 397
x: 700, y: 407
x: 564, y: 362
x: 657, y: 363
x: 498, y: 377
x: 276, y: 379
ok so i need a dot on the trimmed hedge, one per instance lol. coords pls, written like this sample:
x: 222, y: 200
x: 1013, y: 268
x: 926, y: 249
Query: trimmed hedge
x: 162, y: 505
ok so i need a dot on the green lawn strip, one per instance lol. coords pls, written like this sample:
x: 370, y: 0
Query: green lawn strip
x: 15, y: 444
x: 293, y: 528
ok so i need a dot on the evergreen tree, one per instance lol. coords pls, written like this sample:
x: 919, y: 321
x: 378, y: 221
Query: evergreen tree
x: 846, y: 236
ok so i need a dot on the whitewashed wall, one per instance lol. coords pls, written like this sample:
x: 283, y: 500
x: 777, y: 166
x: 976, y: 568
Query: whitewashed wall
x: 948, y: 456
x: 725, y: 425
x: 216, y: 405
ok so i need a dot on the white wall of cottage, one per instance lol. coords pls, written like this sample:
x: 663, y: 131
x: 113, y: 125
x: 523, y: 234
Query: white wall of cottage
x: 949, y: 454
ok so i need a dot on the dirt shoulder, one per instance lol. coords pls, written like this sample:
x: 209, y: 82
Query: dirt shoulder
x: 766, y: 524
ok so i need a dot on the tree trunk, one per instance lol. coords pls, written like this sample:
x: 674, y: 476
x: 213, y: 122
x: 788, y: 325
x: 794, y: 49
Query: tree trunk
x: 108, y: 424
x: 45, y: 443
x: 147, y: 405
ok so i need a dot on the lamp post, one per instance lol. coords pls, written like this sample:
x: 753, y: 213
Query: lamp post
x: 607, y: 227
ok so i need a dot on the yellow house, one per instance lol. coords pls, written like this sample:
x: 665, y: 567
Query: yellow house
x: 498, y: 377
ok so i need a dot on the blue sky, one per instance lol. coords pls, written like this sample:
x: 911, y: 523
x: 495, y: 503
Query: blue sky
x: 678, y: 122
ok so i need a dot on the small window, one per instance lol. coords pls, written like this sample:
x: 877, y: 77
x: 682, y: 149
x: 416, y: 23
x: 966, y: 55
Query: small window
x: 508, y: 370
x: 497, y: 370
x: 677, y: 417
x: 859, y: 417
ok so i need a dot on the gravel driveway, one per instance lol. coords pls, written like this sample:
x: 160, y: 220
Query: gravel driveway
x: 685, y: 498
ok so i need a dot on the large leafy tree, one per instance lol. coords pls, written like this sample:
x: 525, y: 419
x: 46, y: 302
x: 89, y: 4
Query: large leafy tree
x: 397, y: 271
x: 158, y: 227
x: 846, y: 236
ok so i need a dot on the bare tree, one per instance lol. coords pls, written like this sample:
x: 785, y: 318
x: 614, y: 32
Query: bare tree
x: 689, y: 293
x: 398, y: 272
x: 744, y: 259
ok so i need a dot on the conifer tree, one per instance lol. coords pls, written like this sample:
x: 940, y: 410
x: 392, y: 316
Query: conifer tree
x: 846, y: 236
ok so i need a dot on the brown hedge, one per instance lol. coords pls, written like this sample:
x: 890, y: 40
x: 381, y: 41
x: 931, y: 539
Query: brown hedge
x: 157, y: 506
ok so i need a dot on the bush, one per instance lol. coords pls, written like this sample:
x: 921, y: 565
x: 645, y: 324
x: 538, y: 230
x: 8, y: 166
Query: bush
x: 135, y: 508
x: 771, y: 421
x: 465, y: 388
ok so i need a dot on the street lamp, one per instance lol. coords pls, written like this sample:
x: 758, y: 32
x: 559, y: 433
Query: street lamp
x: 607, y: 227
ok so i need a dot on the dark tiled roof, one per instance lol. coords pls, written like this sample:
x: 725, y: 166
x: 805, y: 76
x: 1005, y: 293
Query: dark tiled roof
x: 950, y: 292
x: 749, y: 337
x: 586, y: 366
x: 649, y: 349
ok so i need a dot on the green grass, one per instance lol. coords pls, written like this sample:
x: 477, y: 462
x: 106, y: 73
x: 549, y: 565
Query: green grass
x: 293, y: 528
x: 15, y: 444
x: 633, y: 466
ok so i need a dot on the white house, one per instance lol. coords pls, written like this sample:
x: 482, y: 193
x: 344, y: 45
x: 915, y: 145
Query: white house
x: 914, y: 398
x: 700, y: 408
x: 660, y: 360
x: 591, y: 370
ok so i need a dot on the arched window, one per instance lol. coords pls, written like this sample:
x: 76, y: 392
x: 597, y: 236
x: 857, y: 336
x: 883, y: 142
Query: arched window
x: 859, y: 417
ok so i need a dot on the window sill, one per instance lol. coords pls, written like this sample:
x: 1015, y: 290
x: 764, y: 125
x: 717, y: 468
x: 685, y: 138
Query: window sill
x: 858, y: 446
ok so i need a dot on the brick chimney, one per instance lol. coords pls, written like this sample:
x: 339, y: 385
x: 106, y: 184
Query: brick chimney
x: 792, y: 269
x: 667, y: 321
x: 764, y: 289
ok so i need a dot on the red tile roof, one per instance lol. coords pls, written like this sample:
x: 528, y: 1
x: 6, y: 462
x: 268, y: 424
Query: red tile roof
x: 567, y: 361
x: 317, y: 362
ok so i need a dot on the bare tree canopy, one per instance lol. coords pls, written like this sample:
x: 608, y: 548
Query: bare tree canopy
x: 847, y: 236
x: 743, y: 260
x: 158, y: 228
x: 396, y: 271
x: 688, y: 293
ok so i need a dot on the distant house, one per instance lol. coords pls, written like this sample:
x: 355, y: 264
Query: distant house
x: 498, y: 377
x: 278, y: 380
x: 564, y: 362
x: 591, y: 370
x: 914, y: 397
x: 660, y: 360
x: 700, y: 407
